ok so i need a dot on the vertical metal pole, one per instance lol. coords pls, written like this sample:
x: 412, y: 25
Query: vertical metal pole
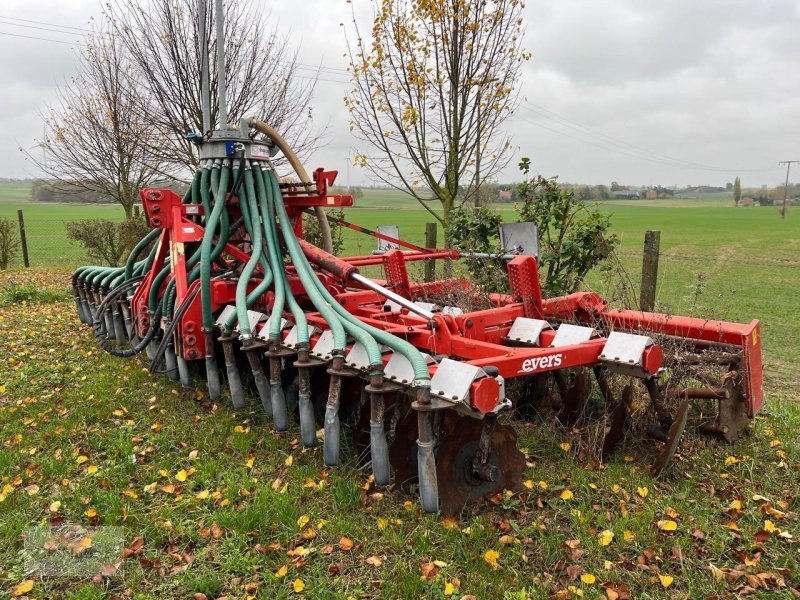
x: 430, y: 242
x: 647, y: 297
x: 222, y: 86
x: 204, y: 77
x: 23, y: 240
x: 788, y: 164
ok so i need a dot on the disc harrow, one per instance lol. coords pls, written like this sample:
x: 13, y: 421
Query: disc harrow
x: 225, y: 293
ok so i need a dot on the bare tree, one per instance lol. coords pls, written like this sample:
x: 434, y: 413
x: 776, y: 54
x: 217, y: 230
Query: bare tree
x: 432, y: 88
x: 162, y: 37
x: 97, y: 138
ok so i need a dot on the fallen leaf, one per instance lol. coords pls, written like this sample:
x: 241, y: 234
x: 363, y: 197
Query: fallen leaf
x: 605, y: 537
x: 281, y: 573
x: 566, y: 495
x: 181, y: 475
x: 667, y: 525
x: 346, y: 543
x: 374, y: 561
x: 22, y: 588
x: 449, y: 589
x: 491, y: 556
x: 666, y: 580
x: 642, y: 491
x: 298, y: 586
x: 588, y: 578
x: 302, y: 521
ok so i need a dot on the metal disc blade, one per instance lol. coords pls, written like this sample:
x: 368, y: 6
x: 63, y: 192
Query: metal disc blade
x: 454, y: 461
x: 619, y: 417
x: 574, y: 398
x: 673, y: 439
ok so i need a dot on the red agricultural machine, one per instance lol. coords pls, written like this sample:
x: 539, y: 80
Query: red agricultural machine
x: 225, y: 288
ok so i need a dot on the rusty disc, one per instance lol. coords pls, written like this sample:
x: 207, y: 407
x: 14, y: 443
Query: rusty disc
x: 619, y: 417
x: 457, y: 486
x: 574, y: 398
x: 403, y: 448
x: 673, y: 438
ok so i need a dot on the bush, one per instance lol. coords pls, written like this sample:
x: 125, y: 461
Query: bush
x: 9, y: 243
x: 107, y: 241
x: 573, y: 238
x: 312, y: 235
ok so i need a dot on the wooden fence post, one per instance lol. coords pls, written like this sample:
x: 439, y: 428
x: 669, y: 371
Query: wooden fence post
x: 647, y: 297
x: 23, y: 240
x: 430, y: 242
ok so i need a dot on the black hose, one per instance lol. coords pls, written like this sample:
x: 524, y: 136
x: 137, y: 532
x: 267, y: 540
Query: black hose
x: 162, y: 347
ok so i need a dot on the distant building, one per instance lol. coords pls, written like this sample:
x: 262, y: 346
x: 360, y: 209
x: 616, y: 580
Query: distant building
x: 626, y: 194
x: 505, y: 195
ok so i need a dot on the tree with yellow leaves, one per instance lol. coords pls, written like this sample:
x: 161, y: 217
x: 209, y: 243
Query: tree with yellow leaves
x: 432, y: 86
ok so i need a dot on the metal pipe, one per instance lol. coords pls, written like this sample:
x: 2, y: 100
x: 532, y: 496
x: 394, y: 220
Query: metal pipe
x: 222, y: 86
x: 387, y: 293
x: 204, y: 77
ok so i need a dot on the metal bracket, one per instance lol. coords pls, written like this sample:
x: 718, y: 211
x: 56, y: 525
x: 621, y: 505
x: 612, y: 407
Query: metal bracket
x: 399, y: 368
x: 568, y: 335
x: 252, y: 316
x: 624, y: 353
x: 324, y: 346
x: 264, y: 333
x: 358, y: 357
x: 291, y: 338
x: 527, y: 331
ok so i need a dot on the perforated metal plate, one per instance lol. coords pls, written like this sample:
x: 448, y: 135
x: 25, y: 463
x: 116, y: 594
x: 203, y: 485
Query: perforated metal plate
x: 569, y: 334
x: 399, y: 369
x: 625, y: 348
x: 527, y: 331
x: 520, y: 238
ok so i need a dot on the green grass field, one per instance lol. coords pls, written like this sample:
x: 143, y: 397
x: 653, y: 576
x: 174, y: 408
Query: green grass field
x: 214, y: 503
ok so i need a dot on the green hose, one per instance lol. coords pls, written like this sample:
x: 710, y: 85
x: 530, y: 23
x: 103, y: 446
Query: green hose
x: 206, y: 246
x: 249, y: 208
x: 397, y: 344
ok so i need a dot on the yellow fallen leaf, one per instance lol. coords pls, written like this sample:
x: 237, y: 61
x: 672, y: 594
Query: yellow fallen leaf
x: 575, y: 591
x: 642, y: 491
x: 298, y: 585
x: 181, y: 475
x: 588, y: 578
x: 203, y: 495
x: 605, y: 537
x: 131, y: 494
x: 281, y: 573
x: 22, y: 588
x: 91, y: 469
x: 628, y: 535
x: 769, y: 526
x: 82, y: 459
x: 450, y: 523
x: 302, y: 521
x: 566, y: 495
x: 55, y: 506
x: 528, y: 484
x: 449, y: 589
x: 667, y: 525
x: 774, y: 443
x: 491, y: 556
x: 374, y: 561
x: 735, y: 504
x: 250, y: 462
x: 505, y: 540
x: 81, y: 546
x: 666, y: 580
x: 91, y: 512
x: 565, y: 446
x: 288, y: 462
x: 382, y: 523
x: 731, y: 460
x: 543, y: 485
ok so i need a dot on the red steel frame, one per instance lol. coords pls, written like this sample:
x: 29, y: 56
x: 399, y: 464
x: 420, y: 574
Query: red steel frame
x: 475, y: 337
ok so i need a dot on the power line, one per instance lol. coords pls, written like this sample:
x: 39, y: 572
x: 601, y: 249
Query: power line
x: 3, y: 22
x: 44, y: 23
x: 639, y: 152
x: 41, y: 39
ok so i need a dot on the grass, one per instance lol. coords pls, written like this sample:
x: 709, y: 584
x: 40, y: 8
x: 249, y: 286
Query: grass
x: 222, y: 503
x: 112, y: 446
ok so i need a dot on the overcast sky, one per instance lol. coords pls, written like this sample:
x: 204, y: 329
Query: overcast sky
x: 642, y: 92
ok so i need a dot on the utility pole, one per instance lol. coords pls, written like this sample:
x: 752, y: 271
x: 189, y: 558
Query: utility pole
x: 788, y: 164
